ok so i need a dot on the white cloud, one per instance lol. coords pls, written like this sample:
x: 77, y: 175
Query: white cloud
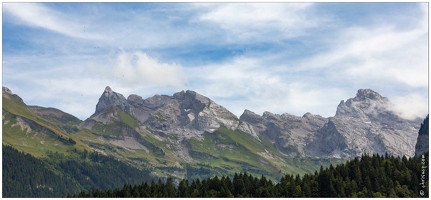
x: 243, y: 83
x: 239, y: 76
x: 138, y: 68
x: 244, y: 22
x: 386, y: 54
x: 377, y: 56
x: 63, y: 82
x: 410, y: 106
x: 35, y: 14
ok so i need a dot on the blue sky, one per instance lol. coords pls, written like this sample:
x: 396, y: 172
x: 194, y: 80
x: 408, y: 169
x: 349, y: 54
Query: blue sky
x: 277, y: 57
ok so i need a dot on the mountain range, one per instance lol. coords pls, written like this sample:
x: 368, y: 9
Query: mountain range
x: 188, y: 135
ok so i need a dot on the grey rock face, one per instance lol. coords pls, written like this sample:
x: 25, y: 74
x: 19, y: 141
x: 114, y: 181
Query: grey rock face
x: 110, y: 98
x: 366, y: 104
x: 369, y: 126
x: 188, y: 110
x: 7, y: 90
x: 137, y: 107
x: 7, y: 93
x: 422, y: 144
x: 249, y: 116
x: 363, y: 124
x: 328, y: 140
x: 289, y: 133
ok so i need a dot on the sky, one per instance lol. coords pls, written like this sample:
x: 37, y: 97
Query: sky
x: 278, y: 57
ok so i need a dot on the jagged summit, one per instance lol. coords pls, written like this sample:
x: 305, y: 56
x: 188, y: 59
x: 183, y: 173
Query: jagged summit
x: 110, y: 98
x: 7, y: 93
x: 133, y: 98
x: 108, y: 89
x: 185, y: 109
x: 363, y: 124
x: 250, y: 116
x: 190, y: 96
x: 7, y: 90
x: 363, y: 94
x: 365, y: 104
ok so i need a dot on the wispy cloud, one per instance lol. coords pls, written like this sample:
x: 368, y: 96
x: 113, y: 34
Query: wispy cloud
x: 242, y: 83
x: 277, y: 57
x: 138, y: 68
x: 58, y: 84
x: 260, y: 22
x: 38, y: 15
x: 410, y: 106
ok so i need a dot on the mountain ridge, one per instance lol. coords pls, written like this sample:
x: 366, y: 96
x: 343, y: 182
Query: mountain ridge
x: 368, y: 111
x: 189, y: 135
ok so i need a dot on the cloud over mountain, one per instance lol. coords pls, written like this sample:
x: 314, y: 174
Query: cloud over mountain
x: 299, y: 57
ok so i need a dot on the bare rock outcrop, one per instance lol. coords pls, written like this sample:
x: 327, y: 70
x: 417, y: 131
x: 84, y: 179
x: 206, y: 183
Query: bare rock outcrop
x: 422, y: 144
x: 362, y: 124
x: 110, y: 98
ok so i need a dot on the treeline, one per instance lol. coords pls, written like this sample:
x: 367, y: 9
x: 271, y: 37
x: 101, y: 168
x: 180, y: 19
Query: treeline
x: 93, y: 170
x: 26, y: 176
x: 369, y: 176
x: 58, y: 174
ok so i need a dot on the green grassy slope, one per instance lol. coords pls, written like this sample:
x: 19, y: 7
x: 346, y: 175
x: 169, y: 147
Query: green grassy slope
x: 230, y: 151
x: 58, y: 174
x: 37, y: 130
x: 31, y: 133
x: 64, y: 121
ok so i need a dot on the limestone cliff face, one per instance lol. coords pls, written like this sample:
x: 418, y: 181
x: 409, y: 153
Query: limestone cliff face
x: 363, y: 124
x: 368, y: 125
x: 422, y: 144
x: 183, y: 110
x: 289, y: 133
x: 110, y: 98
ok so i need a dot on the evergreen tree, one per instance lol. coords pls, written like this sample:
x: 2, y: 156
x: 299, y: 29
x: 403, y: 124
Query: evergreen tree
x: 330, y: 182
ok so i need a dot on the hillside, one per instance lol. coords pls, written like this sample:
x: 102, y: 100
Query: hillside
x: 187, y: 135
x: 184, y: 135
x: 57, y: 174
x: 26, y: 128
x: 369, y: 176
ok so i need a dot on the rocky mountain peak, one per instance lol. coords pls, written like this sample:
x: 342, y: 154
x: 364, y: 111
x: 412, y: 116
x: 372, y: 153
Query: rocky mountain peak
x: 5, y: 89
x: 366, y: 103
x: 205, y: 114
x: 134, y: 99
x: 310, y: 116
x: 251, y: 117
x: 363, y: 94
x: 110, y: 98
x: 188, y: 93
x: 192, y: 100
x: 197, y: 95
x: 7, y: 93
x: 108, y: 90
x: 270, y: 116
